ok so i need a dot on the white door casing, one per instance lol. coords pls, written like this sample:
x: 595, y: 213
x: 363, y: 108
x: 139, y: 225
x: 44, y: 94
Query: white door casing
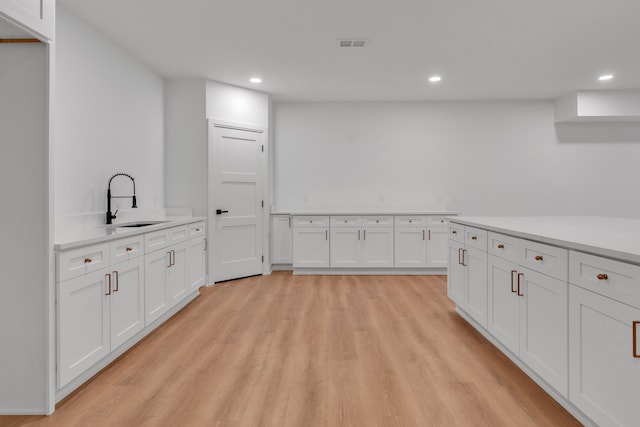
x: 236, y: 177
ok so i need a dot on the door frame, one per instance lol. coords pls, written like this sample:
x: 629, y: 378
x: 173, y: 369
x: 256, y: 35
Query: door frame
x: 211, y: 197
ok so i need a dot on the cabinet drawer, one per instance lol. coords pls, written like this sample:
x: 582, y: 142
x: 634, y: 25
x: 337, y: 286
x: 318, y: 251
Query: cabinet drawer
x: 614, y: 279
x: 310, y: 221
x: 475, y: 238
x: 346, y: 221
x: 456, y: 232
x: 125, y: 249
x: 410, y: 221
x: 163, y: 238
x: 506, y: 247
x: 437, y: 220
x: 81, y: 261
x: 196, y: 230
x: 545, y: 259
x: 377, y: 221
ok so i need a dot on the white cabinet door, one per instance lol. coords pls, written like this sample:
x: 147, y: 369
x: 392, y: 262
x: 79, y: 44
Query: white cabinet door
x: 196, y: 264
x: 456, y: 274
x: 127, y: 301
x: 155, y: 289
x: 476, y: 284
x: 604, y: 374
x: 35, y: 15
x: 544, y: 327
x: 437, y: 243
x: 503, y: 319
x: 346, y: 247
x: 377, y: 247
x: 311, y: 247
x: 83, y: 323
x: 411, y: 247
x: 281, y: 239
x: 177, y: 274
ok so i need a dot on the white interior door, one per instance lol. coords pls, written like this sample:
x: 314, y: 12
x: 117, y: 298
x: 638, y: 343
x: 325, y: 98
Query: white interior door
x: 236, y: 203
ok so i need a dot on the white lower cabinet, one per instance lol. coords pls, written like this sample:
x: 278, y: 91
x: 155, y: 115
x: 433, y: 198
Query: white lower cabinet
x: 83, y: 324
x: 467, y: 279
x: 97, y: 313
x: 528, y: 315
x: 604, y: 339
x: 165, y: 281
x: 281, y: 239
x: 196, y: 263
x: 361, y: 241
x: 410, y: 247
x: 126, y: 300
x: 99, y: 310
x: 311, y: 242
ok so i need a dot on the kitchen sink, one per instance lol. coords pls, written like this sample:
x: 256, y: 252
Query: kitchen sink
x: 137, y: 224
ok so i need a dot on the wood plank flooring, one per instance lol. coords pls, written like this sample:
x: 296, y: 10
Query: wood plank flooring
x: 285, y: 350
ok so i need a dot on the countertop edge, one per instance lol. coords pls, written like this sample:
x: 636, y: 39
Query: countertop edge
x: 364, y: 213
x: 76, y: 244
x: 567, y: 244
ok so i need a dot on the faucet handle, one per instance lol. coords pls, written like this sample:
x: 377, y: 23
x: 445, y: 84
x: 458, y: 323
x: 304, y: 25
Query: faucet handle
x: 113, y: 215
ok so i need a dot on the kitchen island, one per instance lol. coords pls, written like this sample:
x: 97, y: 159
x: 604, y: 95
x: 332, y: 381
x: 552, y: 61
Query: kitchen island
x: 560, y: 296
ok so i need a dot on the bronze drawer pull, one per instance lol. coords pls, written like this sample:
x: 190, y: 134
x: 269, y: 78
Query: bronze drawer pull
x: 128, y: 249
x: 519, y: 275
x: 454, y: 232
x: 634, y: 330
x: 602, y: 276
x: 538, y: 257
x: 87, y: 260
x: 474, y: 237
x: 197, y: 229
x: 500, y: 246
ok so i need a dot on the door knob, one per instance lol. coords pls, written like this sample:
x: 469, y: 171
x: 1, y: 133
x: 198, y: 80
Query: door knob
x: 220, y: 211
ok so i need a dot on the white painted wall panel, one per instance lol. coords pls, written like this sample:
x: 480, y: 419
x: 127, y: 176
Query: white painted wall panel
x: 109, y: 118
x: 480, y: 158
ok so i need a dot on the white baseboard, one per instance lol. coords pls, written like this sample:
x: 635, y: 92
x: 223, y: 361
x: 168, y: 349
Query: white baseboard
x: 371, y: 271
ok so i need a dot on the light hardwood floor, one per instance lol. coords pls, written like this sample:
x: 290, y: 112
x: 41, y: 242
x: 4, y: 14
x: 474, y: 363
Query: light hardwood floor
x: 285, y: 350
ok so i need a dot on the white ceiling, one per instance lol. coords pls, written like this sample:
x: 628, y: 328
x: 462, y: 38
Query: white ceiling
x: 491, y: 49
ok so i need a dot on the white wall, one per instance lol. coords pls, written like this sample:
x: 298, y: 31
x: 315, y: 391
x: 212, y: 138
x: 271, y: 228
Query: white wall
x: 236, y: 104
x: 25, y: 251
x: 480, y: 158
x: 109, y: 118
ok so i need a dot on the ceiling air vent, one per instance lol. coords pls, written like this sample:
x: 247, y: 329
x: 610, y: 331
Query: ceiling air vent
x: 352, y: 43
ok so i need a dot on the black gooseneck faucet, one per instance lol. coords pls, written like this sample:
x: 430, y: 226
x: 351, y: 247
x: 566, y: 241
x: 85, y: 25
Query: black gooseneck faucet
x: 111, y: 216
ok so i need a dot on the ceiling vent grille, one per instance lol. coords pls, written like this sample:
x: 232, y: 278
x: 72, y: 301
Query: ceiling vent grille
x: 352, y: 43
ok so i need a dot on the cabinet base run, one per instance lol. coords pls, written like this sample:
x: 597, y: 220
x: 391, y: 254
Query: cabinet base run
x: 370, y: 271
x: 578, y: 414
x: 91, y: 372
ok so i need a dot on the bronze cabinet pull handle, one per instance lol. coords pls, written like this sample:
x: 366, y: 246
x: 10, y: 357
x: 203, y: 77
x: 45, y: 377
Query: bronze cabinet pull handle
x: 128, y: 249
x: 326, y: 234
x: 500, y: 246
x: 87, y: 260
x: 538, y: 257
x: 109, y: 282
x: 115, y: 273
x: 513, y: 290
x: 602, y: 276
x: 364, y: 234
x: 459, y: 252
x: 474, y: 237
x: 169, y: 253
x: 358, y: 234
x: 634, y: 331
x: 463, y: 251
x: 454, y: 232
x: 520, y: 275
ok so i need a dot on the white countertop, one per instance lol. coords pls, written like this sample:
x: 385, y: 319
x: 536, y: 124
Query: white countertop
x: 358, y: 210
x: 617, y: 238
x: 75, y: 236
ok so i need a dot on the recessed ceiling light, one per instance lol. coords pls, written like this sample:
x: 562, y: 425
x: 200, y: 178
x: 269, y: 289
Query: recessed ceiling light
x: 435, y: 79
x: 255, y: 80
x: 605, y: 77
